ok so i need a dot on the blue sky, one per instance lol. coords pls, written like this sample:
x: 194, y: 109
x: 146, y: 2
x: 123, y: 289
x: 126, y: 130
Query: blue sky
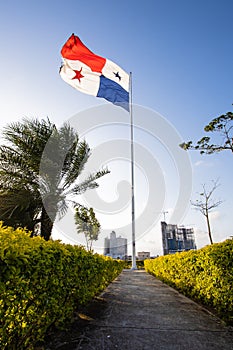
x: 180, y: 54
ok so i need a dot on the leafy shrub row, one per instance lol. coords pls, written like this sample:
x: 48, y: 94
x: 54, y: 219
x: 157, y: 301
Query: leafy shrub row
x: 139, y: 263
x: 42, y: 283
x: 205, y: 275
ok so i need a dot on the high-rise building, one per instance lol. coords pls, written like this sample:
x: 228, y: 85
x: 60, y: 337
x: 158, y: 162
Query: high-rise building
x: 116, y: 247
x: 177, y: 239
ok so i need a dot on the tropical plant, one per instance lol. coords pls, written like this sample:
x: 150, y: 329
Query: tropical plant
x: 39, y: 171
x: 87, y: 223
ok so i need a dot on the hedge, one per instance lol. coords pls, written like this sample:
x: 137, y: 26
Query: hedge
x: 205, y: 275
x: 42, y: 283
x: 139, y: 264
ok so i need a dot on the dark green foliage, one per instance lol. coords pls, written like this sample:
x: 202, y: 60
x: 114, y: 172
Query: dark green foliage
x: 222, y: 125
x: 39, y: 170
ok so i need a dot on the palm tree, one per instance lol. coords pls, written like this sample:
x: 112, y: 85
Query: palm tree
x: 39, y: 169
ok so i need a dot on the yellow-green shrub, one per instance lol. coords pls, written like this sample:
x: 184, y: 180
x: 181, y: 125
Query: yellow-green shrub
x: 41, y: 283
x: 139, y: 264
x: 205, y: 275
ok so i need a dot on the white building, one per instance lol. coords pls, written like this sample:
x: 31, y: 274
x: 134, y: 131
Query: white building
x: 116, y: 247
x: 143, y: 255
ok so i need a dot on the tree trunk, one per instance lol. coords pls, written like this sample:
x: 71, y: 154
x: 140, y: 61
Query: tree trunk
x: 209, y: 230
x: 46, y: 224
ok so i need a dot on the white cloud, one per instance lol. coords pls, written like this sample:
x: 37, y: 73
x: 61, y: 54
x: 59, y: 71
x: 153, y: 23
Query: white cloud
x: 215, y: 215
x: 201, y: 238
x: 198, y: 163
x: 203, y: 163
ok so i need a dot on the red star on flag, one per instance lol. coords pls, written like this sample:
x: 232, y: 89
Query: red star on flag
x: 78, y: 74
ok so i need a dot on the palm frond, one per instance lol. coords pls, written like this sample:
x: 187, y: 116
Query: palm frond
x: 88, y: 183
x: 29, y: 138
x: 77, y: 163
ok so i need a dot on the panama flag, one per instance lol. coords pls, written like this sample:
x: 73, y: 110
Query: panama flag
x: 92, y: 74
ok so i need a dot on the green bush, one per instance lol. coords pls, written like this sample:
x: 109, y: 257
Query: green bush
x: 42, y: 283
x: 139, y: 263
x: 205, y: 275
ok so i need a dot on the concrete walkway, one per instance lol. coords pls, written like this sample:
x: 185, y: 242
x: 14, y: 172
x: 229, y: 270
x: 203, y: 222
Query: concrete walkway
x: 139, y: 312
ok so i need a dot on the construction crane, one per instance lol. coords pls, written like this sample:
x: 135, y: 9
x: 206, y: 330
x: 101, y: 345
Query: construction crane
x: 164, y: 215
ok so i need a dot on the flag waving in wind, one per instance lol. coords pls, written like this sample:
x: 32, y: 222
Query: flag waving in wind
x: 92, y: 74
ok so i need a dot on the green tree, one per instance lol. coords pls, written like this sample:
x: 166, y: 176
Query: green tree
x: 221, y: 126
x: 40, y: 166
x: 206, y: 203
x: 87, y: 223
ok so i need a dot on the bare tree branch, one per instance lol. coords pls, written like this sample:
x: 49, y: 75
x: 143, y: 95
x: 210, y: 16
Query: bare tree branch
x: 205, y: 203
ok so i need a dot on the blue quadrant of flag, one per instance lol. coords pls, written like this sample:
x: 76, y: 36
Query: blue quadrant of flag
x: 113, y: 92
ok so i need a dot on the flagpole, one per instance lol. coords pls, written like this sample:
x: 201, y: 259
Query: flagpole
x: 134, y: 265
